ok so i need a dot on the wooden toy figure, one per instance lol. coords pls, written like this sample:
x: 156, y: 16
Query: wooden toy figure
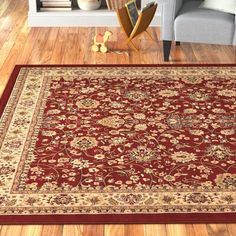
x: 100, y: 42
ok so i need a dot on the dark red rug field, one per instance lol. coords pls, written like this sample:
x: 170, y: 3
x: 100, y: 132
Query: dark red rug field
x: 110, y: 144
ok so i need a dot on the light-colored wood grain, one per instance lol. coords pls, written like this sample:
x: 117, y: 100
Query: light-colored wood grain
x: 231, y: 229
x: 22, y: 45
x: 217, y: 230
x: 73, y: 230
x: 31, y: 230
x: 52, y: 230
x: 177, y: 230
x: 45, y: 53
x: 59, y: 51
x: 114, y: 230
x: 92, y: 230
x: 71, y: 46
x: 155, y: 230
x: 28, y: 47
x: 135, y: 230
x: 200, y: 230
x: 11, y: 230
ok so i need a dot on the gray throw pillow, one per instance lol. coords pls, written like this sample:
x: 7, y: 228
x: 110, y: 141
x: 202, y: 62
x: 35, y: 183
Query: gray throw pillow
x: 228, y: 6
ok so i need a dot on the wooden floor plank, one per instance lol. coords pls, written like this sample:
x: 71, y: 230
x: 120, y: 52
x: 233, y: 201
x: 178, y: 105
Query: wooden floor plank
x: 11, y: 230
x: 46, y: 53
x: 89, y: 56
x: 81, y: 42
x: 71, y: 46
x: 52, y: 230
x: 28, y: 48
x: 4, y: 6
x: 59, y: 50
x: 16, y: 19
x: 73, y: 230
x: 31, y: 230
x: 38, y: 50
x: 177, y: 230
x: 200, y: 230
x: 217, y: 230
x: 117, y: 48
x: 188, y: 53
x: 231, y: 229
x: 92, y: 230
x: 11, y: 59
x: 155, y: 230
x: 134, y: 230
x: 114, y: 230
x: 20, y: 44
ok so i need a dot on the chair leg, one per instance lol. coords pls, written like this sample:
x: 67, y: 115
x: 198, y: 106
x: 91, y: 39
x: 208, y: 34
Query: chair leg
x: 177, y: 43
x: 166, y: 49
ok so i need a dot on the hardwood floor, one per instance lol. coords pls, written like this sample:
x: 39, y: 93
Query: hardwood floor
x: 22, y: 45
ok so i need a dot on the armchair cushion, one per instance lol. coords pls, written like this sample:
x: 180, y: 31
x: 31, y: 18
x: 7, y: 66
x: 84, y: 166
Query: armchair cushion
x: 228, y: 6
x: 194, y: 24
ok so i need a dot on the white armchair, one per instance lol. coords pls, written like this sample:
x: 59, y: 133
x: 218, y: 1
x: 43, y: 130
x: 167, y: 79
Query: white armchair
x: 184, y: 21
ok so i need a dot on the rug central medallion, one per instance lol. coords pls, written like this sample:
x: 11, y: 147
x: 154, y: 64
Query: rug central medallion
x: 119, y: 140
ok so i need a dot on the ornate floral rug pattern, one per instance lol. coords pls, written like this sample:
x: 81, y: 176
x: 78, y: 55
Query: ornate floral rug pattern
x: 118, y: 144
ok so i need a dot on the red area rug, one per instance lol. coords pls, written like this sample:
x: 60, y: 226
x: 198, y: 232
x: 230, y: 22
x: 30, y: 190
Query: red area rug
x: 110, y: 144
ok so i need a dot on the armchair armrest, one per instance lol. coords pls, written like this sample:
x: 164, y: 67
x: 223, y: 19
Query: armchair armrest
x: 170, y: 9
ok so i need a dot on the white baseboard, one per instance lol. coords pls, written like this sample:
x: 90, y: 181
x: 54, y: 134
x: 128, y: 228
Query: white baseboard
x: 78, y: 18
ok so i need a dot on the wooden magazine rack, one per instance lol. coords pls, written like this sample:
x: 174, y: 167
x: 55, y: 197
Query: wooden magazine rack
x: 141, y: 25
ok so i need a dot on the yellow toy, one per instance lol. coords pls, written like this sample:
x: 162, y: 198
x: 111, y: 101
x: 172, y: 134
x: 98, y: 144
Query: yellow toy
x: 100, y: 42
